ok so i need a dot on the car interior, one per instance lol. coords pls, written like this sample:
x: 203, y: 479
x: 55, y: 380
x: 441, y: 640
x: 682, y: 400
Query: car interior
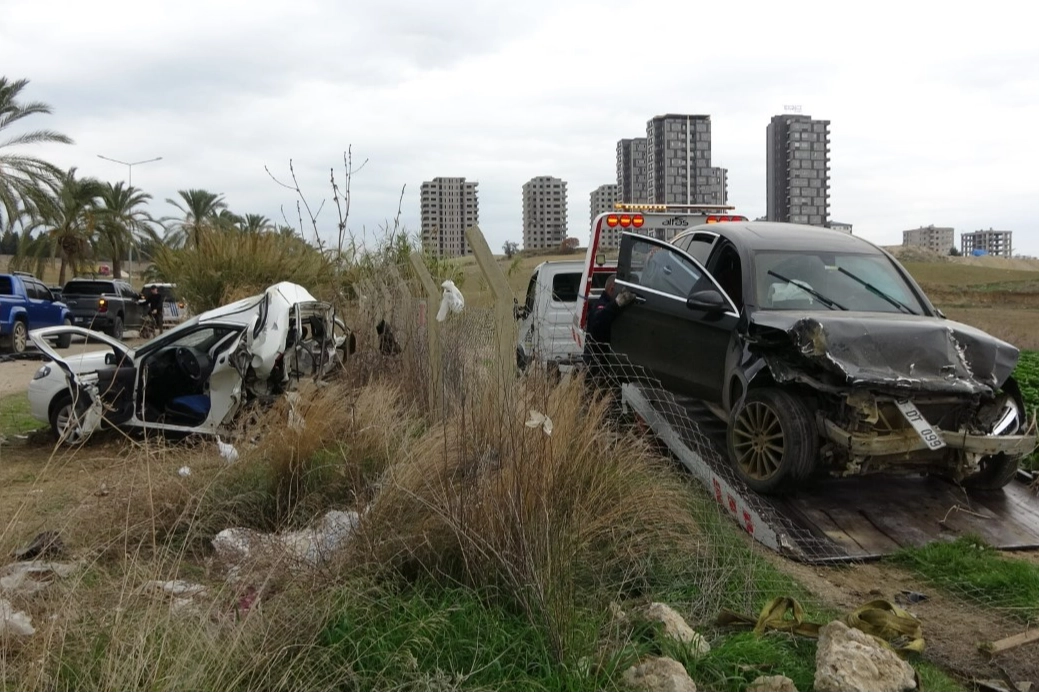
x: 175, y: 377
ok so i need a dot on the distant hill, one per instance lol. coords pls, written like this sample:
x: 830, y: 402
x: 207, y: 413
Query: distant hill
x: 915, y: 254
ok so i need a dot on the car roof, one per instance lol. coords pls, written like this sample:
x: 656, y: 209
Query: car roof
x: 772, y: 235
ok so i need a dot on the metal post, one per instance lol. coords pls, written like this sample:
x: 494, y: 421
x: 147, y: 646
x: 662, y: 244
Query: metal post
x: 505, y: 319
x: 432, y: 330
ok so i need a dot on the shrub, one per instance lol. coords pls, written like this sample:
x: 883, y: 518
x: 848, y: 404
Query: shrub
x: 553, y: 522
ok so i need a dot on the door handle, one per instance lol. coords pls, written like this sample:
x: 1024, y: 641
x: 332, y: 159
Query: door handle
x: 640, y: 299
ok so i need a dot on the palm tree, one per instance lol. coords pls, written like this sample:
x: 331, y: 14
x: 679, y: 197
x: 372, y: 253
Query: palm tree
x: 198, y: 209
x: 69, y: 219
x: 23, y: 179
x: 255, y: 223
x: 122, y: 221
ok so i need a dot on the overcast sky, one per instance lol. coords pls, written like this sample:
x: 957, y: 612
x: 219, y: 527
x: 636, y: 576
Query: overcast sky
x: 934, y: 107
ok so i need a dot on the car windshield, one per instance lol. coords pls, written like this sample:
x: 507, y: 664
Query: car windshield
x: 808, y: 281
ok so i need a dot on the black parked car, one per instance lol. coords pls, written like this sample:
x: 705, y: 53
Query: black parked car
x: 822, y: 355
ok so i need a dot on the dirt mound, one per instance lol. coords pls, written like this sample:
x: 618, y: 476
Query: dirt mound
x: 910, y: 253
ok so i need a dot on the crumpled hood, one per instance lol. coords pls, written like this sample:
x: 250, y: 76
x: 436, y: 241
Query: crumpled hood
x: 894, y: 351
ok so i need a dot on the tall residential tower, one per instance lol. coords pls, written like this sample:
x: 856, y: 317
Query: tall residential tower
x: 797, y: 169
x: 544, y: 212
x: 449, y: 207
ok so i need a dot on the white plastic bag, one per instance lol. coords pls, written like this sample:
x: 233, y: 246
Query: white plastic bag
x: 451, y: 302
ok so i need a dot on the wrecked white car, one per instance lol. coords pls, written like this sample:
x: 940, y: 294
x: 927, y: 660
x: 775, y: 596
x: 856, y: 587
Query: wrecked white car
x: 194, y: 378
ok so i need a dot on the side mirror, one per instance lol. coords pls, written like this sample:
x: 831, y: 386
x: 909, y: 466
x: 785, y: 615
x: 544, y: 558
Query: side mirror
x: 600, y: 259
x: 708, y: 300
x: 110, y: 359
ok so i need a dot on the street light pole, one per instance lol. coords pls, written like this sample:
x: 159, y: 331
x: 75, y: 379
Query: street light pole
x: 129, y: 182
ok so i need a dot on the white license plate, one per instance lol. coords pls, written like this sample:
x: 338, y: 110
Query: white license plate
x: 927, y: 433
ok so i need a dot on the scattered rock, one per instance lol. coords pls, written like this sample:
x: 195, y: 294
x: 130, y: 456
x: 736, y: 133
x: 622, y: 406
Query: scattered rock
x: 102, y: 490
x: 28, y: 577
x: 849, y: 660
x: 676, y: 628
x: 772, y: 683
x: 13, y: 624
x: 44, y: 545
x: 659, y: 674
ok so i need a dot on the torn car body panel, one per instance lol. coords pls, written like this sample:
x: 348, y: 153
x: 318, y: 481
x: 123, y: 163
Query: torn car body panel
x: 890, y: 352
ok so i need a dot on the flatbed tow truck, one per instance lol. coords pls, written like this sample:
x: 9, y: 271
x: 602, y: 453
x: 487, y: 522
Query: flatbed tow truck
x: 832, y: 520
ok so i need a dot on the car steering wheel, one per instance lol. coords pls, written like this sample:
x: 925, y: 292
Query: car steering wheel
x: 188, y: 363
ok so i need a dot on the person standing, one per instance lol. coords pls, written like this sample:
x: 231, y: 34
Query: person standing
x: 597, y: 350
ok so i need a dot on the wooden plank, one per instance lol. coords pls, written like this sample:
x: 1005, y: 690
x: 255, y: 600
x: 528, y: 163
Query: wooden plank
x: 1011, y: 642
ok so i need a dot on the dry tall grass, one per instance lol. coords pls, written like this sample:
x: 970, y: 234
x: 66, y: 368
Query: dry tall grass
x: 552, y: 521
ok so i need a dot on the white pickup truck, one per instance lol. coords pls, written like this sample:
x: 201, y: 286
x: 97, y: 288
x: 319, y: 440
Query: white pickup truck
x: 546, y: 333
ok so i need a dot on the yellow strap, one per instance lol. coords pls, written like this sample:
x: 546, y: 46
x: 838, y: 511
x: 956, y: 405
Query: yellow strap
x: 891, y: 626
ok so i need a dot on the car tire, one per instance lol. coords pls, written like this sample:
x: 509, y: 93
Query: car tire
x: 19, y: 337
x: 65, y: 340
x: 61, y: 410
x: 772, y: 441
x: 996, y: 472
x: 116, y: 331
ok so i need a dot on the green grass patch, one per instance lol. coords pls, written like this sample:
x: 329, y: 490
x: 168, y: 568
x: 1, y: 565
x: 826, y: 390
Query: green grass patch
x: 15, y: 417
x: 444, y: 639
x: 969, y: 568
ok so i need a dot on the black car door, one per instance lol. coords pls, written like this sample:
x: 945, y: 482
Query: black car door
x: 684, y: 348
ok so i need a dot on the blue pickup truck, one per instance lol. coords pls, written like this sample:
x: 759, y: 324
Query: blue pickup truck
x: 27, y: 304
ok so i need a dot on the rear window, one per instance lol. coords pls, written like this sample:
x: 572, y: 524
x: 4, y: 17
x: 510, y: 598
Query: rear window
x: 89, y: 288
x: 564, y: 287
x: 6, y: 288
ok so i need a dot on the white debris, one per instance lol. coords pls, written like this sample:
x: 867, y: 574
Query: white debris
x: 451, y: 302
x: 227, y: 451
x: 29, y: 577
x: 296, y: 421
x: 237, y: 547
x: 537, y: 419
x: 176, y: 588
x: 184, y: 471
x: 14, y: 623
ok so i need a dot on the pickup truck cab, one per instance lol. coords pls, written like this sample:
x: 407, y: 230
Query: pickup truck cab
x: 27, y: 304
x: 104, y: 305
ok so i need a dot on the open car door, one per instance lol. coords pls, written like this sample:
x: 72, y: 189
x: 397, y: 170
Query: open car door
x: 680, y: 325
x: 99, y: 395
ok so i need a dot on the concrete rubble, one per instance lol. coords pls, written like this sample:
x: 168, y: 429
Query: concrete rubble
x: 676, y: 628
x: 849, y: 660
x: 659, y: 674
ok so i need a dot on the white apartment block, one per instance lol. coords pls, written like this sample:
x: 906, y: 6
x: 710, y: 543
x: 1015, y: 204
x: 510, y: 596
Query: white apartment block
x: 603, y: 200
x: 544, y: 213
x: 449, y: 207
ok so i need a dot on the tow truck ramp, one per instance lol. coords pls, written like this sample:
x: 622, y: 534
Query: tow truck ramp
x: 836, y: 520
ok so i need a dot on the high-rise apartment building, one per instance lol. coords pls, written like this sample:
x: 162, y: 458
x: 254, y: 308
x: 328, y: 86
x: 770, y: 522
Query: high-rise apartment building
x: 449, y: 207
x: 718, y: 185
x: 679, y: 161
x: 632, y: 165
x: 992, y: 242
x: 940, y: 239
x: 544, y: 212
x: 797, y: 169
x: 602, y: 201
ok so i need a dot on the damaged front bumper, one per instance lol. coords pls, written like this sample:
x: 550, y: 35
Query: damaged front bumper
x: 907, y: 440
